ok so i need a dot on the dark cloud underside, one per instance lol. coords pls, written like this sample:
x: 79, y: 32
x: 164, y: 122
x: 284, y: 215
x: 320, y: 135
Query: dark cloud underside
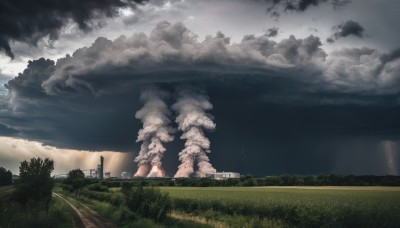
x: 29, y: 21
x: 278, y: 6
x: 271, y: 32
x: 348, y: 28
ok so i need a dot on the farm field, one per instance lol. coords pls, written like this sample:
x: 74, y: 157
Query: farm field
x: 286, y: 206
x: 295, y: 206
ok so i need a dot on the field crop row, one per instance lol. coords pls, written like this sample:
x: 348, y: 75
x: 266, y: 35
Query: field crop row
x: 351, y: 207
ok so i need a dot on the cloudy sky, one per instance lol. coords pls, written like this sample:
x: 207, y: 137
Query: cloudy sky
x: 296, y: 86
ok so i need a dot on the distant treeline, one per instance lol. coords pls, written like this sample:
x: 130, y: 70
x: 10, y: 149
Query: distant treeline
x: 5, y: 177
x: 248, y: 180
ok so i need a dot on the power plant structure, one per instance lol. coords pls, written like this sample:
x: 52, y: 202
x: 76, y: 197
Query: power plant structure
x: 222, y: 175
x: 100, y: 168
x: 97, y: 173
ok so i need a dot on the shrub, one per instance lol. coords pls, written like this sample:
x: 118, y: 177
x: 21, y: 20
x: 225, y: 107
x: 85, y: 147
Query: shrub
x: 148, y: 203
x: 98, y: 187
x: 76, y: 180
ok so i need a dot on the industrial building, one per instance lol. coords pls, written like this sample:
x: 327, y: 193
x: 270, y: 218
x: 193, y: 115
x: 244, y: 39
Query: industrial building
x: 97, y: 173
x: 222, y: 175
x: 125, y: 175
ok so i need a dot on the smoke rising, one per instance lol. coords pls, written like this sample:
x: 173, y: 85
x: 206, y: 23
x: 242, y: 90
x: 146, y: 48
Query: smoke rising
x: 390, y: 149
x: 191, y: 107
x: 156, y: 131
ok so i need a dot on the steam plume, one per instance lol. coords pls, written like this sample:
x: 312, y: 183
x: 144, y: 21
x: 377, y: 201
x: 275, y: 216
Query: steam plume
x: 390, y: 149
x: 156, y: 131
x: 192, y: 118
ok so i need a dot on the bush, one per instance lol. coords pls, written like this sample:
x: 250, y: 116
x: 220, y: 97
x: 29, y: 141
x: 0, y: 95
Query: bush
x: 98, y: 187
x: 76, y: 180
x: 14, y: 214
x: 148, y: 203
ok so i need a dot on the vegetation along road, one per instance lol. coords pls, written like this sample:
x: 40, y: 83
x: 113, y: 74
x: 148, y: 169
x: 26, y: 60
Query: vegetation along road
x: 86, y: 217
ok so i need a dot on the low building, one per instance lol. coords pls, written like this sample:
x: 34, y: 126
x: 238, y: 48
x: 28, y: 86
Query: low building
x: 222, y: 175
x: 125, y: 175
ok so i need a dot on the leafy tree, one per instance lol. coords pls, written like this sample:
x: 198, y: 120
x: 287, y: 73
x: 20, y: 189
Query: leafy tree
x: 36, y: 185
x: 75, y: 179
x: 5, y: 177
x: 246, y: 177
x: 75, y: 174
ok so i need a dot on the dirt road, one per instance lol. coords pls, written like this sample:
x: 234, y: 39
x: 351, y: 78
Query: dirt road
x: 87, y: 217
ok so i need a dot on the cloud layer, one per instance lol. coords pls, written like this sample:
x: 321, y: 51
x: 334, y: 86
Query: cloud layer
x: 261, y: 89
x: 27, y: 21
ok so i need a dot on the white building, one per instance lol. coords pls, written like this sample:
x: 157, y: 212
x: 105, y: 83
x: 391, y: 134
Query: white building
x: 125, y: 175
x: 223, y: 175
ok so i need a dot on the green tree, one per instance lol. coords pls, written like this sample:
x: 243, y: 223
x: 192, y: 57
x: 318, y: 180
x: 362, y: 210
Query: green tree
x: 5, y: 177
x: 75, y: 174
x: 76, y: 179
x: 36, y: 185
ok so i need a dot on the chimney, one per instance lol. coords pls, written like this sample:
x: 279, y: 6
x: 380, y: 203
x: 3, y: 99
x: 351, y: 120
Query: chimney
x: 101, y: 168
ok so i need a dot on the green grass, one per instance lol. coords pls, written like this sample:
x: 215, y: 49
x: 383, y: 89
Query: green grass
x: 13, y: 214
x: 306, y: 207
x: 111, y: 205
x: 65, y: 214
x: 6, y: 191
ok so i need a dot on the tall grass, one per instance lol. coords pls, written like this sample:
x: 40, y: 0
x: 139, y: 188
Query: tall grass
x: 122, y: 216
x: 13, y: 214
x: 149, y: 203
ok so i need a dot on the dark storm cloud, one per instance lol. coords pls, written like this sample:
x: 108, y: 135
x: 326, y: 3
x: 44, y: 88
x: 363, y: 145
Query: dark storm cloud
x: 271, y: 32
x: 392, y: 56
x: 278, y: 6
x: 348, y: 28
x: 267, y: 96
x: 29, y: 21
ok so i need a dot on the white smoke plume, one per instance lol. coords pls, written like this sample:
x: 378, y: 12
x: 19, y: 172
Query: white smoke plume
x: 156, y: 131
x: 390, y: 149
x: 191, y: 107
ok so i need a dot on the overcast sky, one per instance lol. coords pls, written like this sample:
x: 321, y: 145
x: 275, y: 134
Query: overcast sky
x: 302, y: 86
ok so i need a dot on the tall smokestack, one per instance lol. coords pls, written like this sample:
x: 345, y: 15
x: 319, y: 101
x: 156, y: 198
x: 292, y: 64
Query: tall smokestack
x: 156, y: 131
x: 100, y: 170
x: 192, y: 118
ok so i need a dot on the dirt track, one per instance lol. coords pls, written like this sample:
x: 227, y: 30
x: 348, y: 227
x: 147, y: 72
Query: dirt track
x: 87, y: 217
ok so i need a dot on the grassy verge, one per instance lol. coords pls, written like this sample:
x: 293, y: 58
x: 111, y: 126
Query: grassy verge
x: 5, y: 191
x: 111, y: 205
x: 216, y: 219
x: 13, y: 214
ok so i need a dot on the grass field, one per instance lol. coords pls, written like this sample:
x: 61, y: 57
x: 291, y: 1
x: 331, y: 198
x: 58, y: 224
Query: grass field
x: 298, y: 206
x: 268, y: 206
